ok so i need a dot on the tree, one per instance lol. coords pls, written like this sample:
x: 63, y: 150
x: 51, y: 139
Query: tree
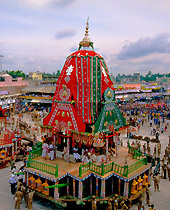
x: 15, y: 74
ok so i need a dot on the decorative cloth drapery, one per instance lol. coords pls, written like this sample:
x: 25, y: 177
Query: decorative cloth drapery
x: 83, y: 79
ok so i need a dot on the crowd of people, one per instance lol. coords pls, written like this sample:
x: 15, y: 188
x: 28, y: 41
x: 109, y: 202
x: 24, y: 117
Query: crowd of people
x: 18, y: 186
x: 118, y: 203
x: 159, y: 123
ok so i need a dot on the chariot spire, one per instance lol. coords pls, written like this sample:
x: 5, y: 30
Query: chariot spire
x: 86, y: 42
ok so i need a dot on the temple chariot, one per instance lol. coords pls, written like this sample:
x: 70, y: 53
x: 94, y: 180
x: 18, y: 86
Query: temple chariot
x: 84, y: 128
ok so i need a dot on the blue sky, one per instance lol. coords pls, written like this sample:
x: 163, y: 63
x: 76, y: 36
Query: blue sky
x: 132, y: 36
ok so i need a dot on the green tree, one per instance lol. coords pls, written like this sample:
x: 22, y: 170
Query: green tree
x: 15, y: 74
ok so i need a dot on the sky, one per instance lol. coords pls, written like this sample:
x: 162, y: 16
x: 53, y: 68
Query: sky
x: 132, y: 36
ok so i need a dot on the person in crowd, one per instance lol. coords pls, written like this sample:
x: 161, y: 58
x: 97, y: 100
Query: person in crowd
x: 18, y: 198
x: 150, y: 123
x: 151, y: 129
x: 163, y: 160
x: 164, y: 170
x: 154, y: 151
x: 12, y: 163
x: 25, y: 194
x: 14, y: 170
x: 168, y: 169
x: 157, y: 135
x: 94, y: 202
x: 156, y: 183
x: 12, y: 182
x: 147, y: 192
x: 30, y: 199
x: 151, y: 207
x: 21, y: 176
x: 162, y: 129
x: 109, y: 204
x: 19, y: 184
x: 116, y: 202
x: 123, y: 205
x: 23, y: 165
x: 159, y: 149
x: 141, y: 206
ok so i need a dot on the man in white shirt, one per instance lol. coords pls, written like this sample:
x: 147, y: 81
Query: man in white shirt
x: 13, y: 183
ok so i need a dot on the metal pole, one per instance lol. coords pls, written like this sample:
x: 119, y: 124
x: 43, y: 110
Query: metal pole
x: 107, y: 153
x: 1, y: 56
x: 68, y: 149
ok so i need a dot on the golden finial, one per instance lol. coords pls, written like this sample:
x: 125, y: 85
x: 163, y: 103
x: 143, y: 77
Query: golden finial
x: 87, y: 27
x: 86, y: 42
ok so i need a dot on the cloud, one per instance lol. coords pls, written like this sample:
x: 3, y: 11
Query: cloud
x: 30, y: 61
x: 154, y: 62
x: 67, y: 33
x: 44, y: 3
x: 145, y: 46
x: 36, y: 3
x: 73, y: 49
x: 8, y: 60
x: 62, y: 3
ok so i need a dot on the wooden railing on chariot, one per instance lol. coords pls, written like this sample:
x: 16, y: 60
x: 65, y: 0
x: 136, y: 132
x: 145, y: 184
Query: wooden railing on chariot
x: 98, y: 169
x: 36, y: 152
x: 43, y: 167
x: 137, y: 154
x: 103, y: 169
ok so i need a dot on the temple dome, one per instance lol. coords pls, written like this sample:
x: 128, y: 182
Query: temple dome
x: 83, y: 81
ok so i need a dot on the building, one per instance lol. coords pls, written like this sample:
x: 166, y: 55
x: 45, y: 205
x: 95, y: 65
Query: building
x: 36, y: 75
x: 10, y: 89
x: 7, y: 81
x: 129, y: 79
x: 40, y: 96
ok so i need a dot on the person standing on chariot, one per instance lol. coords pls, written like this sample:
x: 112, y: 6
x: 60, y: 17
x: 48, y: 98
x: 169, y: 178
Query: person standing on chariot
x: 51, y: 152
x: 85, y: 158
x: 44, y: 150
x: 76, y: 154
x: 144, y: 148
